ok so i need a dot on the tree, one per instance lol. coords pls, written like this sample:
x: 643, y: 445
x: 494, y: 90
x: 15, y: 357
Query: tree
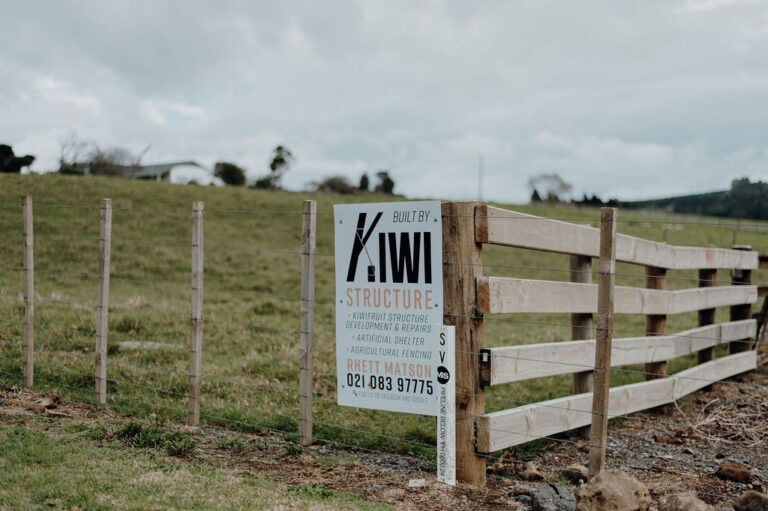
x: 385, y: 185
x: 335, y: 184
x: 230, y: 173
x: 72, y: 152
x: 114, y: 161
x: 79, y: 156
x: 282, y: 159
x: 11, y: 163
x: 365, y: 183
x: 554, y: 188
x: 535, y: 197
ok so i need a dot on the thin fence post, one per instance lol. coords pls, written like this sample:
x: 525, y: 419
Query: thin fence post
x: 102, y: 307
x: 581, y: 327
x: 306, y: 377
x: 707, y: 277
x: 28, y: 347
x: 602, y: 378
x: 655, y: 324
x: 743, y: 311
x: 196, y: 319
x: 462, y: 257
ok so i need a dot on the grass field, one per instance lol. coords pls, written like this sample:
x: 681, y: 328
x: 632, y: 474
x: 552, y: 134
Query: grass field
x: 252, y: 285
x: 88, y: 466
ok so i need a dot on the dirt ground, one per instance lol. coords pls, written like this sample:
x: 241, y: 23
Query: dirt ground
x: 676, y: 449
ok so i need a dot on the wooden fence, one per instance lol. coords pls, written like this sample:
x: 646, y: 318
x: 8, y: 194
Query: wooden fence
x: 469, y: 295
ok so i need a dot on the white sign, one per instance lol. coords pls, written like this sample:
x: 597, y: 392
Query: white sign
x: 389, y: 294
x: 446, y: 406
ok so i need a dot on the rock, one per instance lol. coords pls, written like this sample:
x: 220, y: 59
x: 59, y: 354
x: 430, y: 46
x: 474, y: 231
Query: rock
x: 735, y: 472
x: 576, y: 473
x: 417, y: 483
x: 612, y: 490
x: 531, y: 473
x: 524, y: 499
x: 752, y: 501
x: 683, y: 502
x: 552, y: 497
x: 50, y: 402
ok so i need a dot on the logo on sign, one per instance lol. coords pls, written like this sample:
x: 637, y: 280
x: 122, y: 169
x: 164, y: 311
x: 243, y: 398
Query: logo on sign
x: 400, y: 254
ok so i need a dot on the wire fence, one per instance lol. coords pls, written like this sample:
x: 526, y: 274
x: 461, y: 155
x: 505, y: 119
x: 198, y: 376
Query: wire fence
x: 251, y: 383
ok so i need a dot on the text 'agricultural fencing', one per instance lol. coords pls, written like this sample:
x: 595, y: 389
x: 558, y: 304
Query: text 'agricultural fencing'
x: 239, y: 359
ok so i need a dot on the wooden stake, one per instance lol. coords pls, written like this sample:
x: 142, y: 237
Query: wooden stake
x: 102, y: 307
x: 306, y: 377
x: 459, y: 307
x: 581, y: 327
x: 707, y: 278
x: 602, y: 378
x: 740, y: 278
x: 655, y: 324
x: 196, y: 321
x: 28, y: 347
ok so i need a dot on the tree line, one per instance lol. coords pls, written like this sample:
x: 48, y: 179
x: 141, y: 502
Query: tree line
x: 81, y: 157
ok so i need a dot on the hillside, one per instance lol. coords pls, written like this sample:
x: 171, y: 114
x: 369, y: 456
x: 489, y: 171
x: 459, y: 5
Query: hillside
x: 251, y: 304
x: 743, y: 200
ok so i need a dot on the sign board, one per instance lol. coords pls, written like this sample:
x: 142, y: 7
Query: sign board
x: 389, y: 291
x: 446, y: 406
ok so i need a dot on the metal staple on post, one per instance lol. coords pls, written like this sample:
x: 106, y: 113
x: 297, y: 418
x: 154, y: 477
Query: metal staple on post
x: 306, y: 377
x: 196, y: 319
x: 605, y: 291
x: 102, y: 307
x: 28, y: 348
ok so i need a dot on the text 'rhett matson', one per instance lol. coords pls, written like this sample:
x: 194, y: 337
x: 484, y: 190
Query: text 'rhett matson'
x: 398, y: 260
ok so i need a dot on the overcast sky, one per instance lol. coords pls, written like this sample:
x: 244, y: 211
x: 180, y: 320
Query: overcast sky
x: 627, y: 99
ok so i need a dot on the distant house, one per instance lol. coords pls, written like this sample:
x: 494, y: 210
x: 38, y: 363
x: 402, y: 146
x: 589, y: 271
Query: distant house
x: 179, y: 172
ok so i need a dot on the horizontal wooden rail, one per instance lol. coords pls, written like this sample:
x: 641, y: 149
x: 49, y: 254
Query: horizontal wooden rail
x: 506, y: 295
x: 503, y: 227
x: 517, y: 363
x: 500, y: 430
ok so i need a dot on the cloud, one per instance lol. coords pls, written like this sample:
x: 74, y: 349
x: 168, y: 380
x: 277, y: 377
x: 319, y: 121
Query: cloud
x: 628, y: 99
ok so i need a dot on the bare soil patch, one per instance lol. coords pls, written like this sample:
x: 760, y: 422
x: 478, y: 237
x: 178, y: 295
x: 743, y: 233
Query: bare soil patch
x: 677, y: 449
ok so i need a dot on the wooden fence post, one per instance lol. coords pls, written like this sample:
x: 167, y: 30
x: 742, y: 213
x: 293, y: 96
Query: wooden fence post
x: 655, y: 324
x: 28, y: 347
x: 102, y: 307
x: 196, y: 320
x: 707, y: 278
x: 463, y: 261
x: 306, y: 377
x: 581, y: 327
x: 738, y: 312
x: 602, y: 378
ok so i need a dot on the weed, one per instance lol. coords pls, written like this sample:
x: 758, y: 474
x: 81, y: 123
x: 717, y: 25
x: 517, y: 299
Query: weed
x: 235, y: 444
x: 128, y: 324
x: 139, y: 436
x: 293, y: 449
x: 311, y: 490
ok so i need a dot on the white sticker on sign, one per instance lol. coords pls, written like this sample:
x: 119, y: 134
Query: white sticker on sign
x: 389, y: 294
x: 446, y: 402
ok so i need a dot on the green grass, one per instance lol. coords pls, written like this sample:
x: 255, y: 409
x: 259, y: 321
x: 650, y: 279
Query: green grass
x: 252, y: 285
x: 59, y: 470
